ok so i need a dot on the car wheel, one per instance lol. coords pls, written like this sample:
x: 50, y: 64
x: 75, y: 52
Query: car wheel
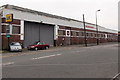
x: 46, y: 47
x: 36, y: 49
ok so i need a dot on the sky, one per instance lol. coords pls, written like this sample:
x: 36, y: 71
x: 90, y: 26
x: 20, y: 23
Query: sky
x: 107, y: 17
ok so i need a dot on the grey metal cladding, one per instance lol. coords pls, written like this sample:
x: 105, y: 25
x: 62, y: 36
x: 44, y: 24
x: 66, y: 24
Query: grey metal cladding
x: 36, y: 31
x: 47, y: 33
x: 31, y: 33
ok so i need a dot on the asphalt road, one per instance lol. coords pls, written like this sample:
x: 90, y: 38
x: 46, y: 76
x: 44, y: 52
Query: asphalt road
x: 63, y: 62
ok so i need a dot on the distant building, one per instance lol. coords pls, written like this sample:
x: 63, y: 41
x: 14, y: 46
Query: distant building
x: 30, y: 26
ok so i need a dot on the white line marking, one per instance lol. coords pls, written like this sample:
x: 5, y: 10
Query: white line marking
x: 116, y: 76
x: 46, y: 56
x: 58, y: 54
x: 8, y: 63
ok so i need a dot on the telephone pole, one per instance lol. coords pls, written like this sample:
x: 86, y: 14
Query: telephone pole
x: 85, y: 39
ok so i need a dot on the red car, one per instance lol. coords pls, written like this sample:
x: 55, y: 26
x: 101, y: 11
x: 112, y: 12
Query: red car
x: 38, y: 45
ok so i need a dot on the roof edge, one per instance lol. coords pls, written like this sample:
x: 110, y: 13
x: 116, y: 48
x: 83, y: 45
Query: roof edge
x: 8, y: 6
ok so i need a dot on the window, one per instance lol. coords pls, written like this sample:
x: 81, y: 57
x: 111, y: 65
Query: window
x: 99, y: 35
x: 77, y: 33
x: 91, y: 34
x: 73, y: 33
x: 15, y: 30
x: 4, y: 29
x: 95, y: 35
x: 11, y: 29
x: 87, y: 34
x: 82, y: 33
x: 61, y: 32
x: 107, y: 35
x: 104, y: 35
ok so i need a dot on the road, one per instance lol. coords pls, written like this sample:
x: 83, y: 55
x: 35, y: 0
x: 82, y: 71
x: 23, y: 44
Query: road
x: 63, y: 62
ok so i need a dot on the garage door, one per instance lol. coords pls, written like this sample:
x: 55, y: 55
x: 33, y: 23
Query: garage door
x: 38, y: 32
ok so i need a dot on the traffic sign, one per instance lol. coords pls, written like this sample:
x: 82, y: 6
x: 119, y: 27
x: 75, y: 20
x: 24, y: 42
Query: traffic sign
x: 8, y: 35
x: 9, y: 17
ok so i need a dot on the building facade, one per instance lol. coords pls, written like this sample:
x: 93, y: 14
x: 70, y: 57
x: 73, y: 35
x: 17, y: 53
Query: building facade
x: 29, y: 26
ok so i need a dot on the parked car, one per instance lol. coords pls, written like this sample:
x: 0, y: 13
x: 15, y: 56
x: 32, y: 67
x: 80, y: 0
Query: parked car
x: 38, y: 45
x: 15, y: 46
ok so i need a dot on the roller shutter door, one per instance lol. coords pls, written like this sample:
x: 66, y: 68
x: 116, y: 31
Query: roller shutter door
x: 36, y: 31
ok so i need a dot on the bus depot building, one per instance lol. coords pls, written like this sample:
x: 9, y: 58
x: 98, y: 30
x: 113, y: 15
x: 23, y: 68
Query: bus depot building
x: 29, y: 26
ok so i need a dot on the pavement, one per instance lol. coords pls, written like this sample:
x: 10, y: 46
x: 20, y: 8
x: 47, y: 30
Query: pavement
x: 6, y: 53
x: 63, y: 62
x: 79, y: 45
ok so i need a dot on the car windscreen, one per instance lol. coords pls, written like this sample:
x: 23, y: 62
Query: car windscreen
x: 39, y: 43
x: 15, y: 44
x: 35, y: 43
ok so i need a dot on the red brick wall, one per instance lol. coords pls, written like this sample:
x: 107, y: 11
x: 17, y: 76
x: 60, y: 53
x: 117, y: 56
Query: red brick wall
x: 15, y: 21
x: 13, y: 38
x: 75, y: 40
x: 80, y: 40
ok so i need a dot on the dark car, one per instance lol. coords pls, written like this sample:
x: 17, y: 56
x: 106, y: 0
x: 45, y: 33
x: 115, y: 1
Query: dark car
x: 38, y: 45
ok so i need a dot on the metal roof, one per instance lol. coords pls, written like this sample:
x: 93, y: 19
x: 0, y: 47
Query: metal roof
x: 45, y: 14
x: 40, y: 13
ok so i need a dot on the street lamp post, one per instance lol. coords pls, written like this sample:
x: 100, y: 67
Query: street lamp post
x: 97, y: 28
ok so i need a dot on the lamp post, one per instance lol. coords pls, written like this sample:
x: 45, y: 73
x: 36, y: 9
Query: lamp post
x: 97, y: 28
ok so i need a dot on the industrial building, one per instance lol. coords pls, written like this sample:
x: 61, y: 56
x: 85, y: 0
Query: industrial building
x: 29, y: 26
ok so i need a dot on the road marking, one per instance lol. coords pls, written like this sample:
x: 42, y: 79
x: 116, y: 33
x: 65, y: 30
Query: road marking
x: 46, y: 56
x: 115, y: 77
x: 8, y: 63
x: 58, y: 54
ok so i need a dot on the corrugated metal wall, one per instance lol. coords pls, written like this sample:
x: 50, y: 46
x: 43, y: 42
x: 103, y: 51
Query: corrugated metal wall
x: 36, y: 31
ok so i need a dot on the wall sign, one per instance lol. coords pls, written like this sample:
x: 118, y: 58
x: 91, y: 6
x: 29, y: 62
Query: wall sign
x: 9, y: 17
x: 68, y: 33
x: 8, y: 35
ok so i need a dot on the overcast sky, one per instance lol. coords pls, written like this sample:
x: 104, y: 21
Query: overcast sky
x: 107, y: 17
